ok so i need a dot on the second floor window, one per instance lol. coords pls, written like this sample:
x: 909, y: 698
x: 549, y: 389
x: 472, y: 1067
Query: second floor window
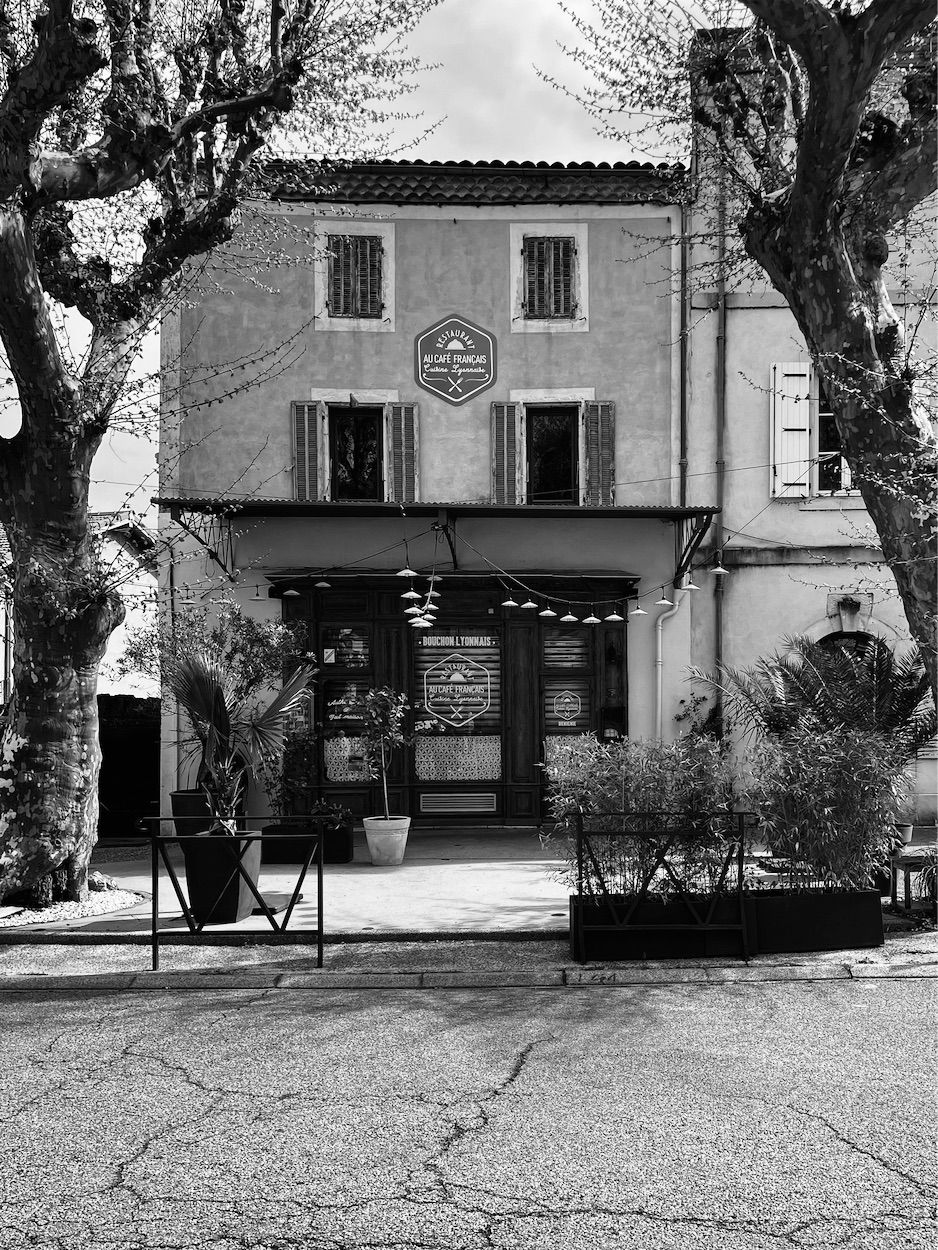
x: 355, y: 263
x: 355, y: 453
x: 833, y: 472
x: 549, y: 278
x: 551, y: 440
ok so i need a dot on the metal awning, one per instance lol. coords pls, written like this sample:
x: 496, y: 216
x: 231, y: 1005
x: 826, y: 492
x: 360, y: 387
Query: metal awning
x: 207, y: 518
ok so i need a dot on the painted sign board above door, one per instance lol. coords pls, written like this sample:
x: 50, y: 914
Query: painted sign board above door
x: 455, y: 359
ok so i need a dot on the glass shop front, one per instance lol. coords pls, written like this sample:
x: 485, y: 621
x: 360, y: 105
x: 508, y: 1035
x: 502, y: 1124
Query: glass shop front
x: 490, y: 688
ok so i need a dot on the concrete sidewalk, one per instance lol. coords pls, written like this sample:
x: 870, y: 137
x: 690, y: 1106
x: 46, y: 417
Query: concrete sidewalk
x: 482, y: 908
x: 480, y: 882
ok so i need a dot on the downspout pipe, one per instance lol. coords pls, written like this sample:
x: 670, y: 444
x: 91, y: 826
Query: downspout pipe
x: 679, y: 596
x: 720, y: 398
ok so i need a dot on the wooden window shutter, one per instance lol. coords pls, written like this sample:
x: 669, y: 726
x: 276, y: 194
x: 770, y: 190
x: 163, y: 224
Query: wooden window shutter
x: 340, y: 276
x: 562, y: 259
x: 536, y: 276
x: 505, y: 418
x: 306, y: 450
x: 370, y: 253
x: 402, y: 453
x: 600, y: 420
x: 791, y: 430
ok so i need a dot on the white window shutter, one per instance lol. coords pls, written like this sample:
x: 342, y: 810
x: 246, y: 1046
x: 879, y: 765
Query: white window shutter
x: 403, y: 452
x: 505, y: 451
x: 791, y: 430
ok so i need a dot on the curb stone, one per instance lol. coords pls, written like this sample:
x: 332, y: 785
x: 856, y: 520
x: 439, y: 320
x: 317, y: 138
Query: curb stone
x: 571, y: 978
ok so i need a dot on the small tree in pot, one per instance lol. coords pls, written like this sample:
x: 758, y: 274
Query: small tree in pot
x: 382, y: 732
x: 232, y: 734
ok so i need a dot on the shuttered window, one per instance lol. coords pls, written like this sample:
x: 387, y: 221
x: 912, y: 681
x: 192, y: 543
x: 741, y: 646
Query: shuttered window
x: 600, y: 419
x: 791, y: 430
x: 403, y: 459
x: 505, y: 435
x: 355, y: 265
x: 549, y: 289
x: 307, y: 419
x: 833, y: 472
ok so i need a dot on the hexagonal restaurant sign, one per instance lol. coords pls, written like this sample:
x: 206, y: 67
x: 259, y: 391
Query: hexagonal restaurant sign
x: 455, y: 359
x: 567, y: 705
x: 456, y: 690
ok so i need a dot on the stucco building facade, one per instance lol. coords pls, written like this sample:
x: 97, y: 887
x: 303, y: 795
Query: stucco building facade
x: 460, y: 431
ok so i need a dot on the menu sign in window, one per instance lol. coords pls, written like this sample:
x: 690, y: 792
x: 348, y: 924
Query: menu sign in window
x: 459, y: 681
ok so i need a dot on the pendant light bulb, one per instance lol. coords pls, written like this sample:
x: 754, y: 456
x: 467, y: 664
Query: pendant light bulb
x: 664, y: 601
x: 290, y: 593
x: 509, y: 603
x: 413, y: 610
x: 411, y: 594
x: 547, y: 612
x: 433, y: 594
x: 718, y: 570
x: 638, y: 610
x: 529, y: 604
x: 592, y: 619
x: 690, y: 585
x: 569, y: 618
x: 257, y: 594
x: 407, y: 571
x: 614, y: 617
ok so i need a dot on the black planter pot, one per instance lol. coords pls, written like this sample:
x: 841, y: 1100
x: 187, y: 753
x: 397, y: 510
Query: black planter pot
x: 782, y: 922
x: 646, y: 936
x: 211, y: 860
x: 285, y: 844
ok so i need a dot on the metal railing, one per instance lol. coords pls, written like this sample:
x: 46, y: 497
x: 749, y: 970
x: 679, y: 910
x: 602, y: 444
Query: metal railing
x: 231, y: 851
x: 625, y: 859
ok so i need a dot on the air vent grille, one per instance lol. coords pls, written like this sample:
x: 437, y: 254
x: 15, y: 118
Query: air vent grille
x: 457, y: 803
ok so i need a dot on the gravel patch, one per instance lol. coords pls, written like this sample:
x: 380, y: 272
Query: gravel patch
x: 97, y: 904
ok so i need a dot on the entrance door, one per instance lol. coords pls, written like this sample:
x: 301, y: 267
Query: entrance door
x: 457, y: 698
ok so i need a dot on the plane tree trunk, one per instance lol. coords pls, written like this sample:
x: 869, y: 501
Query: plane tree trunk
x: 63, y: 608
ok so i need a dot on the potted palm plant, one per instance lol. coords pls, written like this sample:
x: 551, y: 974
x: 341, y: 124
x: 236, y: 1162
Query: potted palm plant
x: 232, y: 734
x: 382, y: 732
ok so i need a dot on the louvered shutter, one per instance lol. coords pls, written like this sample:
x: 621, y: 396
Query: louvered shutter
x: 562, y: 254
x: 306, y: 450
x: 403, y: 449
x: 370, y: 252
x: 340, y: 276
x: 600, y: 420
x: 791, y: 430
x: 505, y: 418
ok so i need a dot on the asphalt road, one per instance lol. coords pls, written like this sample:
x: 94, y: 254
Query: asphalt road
x: 747, y: 1116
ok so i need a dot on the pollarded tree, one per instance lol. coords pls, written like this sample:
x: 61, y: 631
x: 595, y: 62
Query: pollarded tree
x: 128, y: 133
x: 816, y: 123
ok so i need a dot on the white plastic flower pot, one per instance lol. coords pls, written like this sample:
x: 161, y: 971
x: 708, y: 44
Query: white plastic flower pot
x: 387, y: 839
x: 904, y: 834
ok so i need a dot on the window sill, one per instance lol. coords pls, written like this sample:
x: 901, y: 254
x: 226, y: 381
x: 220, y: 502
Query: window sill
x: 845, y: 501
x: 549, y: 325
x: 371, y: 325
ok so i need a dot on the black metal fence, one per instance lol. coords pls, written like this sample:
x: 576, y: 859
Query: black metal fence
x: 659, y: 873
x: 232, y: 871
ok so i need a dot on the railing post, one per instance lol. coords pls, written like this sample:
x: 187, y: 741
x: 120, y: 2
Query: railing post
x: 155, y: 900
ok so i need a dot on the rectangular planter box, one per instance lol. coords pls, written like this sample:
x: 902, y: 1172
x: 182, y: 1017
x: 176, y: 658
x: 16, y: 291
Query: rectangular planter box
x: 781, y: 923
x: 338, y: 845
x: 645, y: 937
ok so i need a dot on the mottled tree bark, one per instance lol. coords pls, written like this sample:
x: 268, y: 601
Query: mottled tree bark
x: 63, y: 611
x: 822, y: 240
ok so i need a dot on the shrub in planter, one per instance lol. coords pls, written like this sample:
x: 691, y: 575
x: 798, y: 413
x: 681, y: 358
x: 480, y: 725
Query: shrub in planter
x: 826, y: 799
x: 288, y: 781
x: 693, y: 774
x: 685, y: 785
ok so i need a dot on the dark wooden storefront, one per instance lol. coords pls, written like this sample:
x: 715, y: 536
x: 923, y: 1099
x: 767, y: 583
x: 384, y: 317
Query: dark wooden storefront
x: 489, y: 686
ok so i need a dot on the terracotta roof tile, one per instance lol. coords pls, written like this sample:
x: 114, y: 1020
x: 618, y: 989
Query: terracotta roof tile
x: 470, y: 182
